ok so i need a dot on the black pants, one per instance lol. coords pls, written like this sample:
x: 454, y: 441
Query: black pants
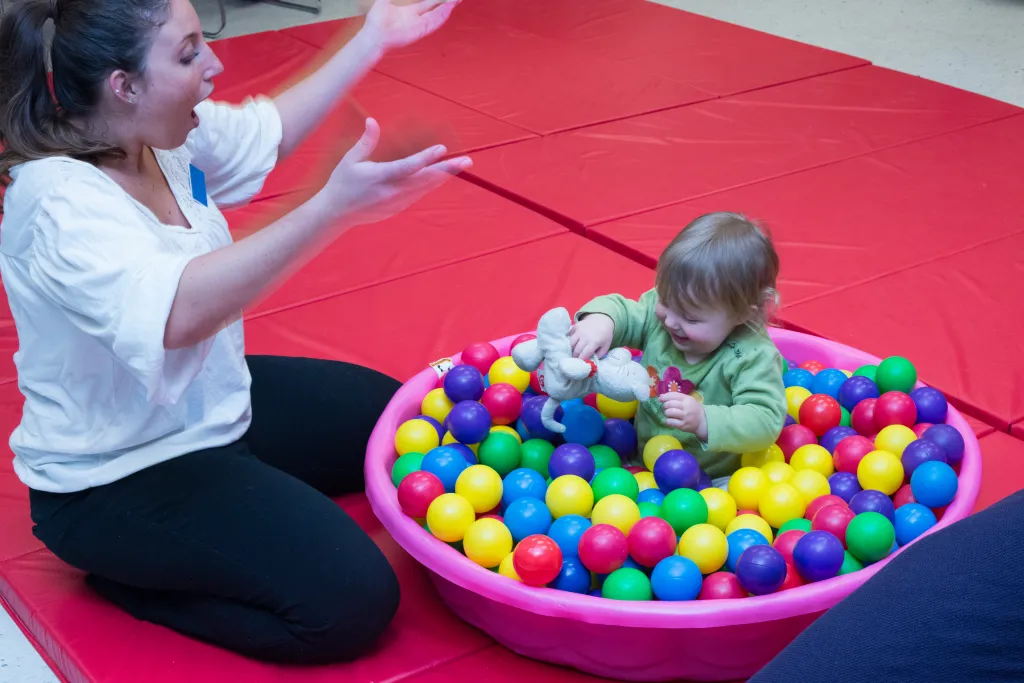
x: 948, y: 610
x: 241, y: 546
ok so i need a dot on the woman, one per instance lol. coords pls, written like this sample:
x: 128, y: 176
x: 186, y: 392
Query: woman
x: 190, y: 483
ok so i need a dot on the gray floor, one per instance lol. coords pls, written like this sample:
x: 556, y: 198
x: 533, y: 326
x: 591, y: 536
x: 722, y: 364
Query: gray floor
x: 976, y: 45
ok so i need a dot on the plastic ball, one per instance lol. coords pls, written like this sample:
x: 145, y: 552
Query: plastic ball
x: 623, y: 410
x: 446, y: 463
x: 537, y: 560
x: 573, y: 577
x: 912, y: 520
x: 802, y: 524
x: 507, y: 570
x: 798, y: 377
x: 464, y: 383
x: 469, y: 422
x: 527, y: 517
x: 651, y: 540
x: 415, y: 436
x: 811, y: 484
x: 520, y: 339
x: 603, y: 548
x: 487, y: 542
x: 820, y: 413
x: 739, y: 540
x: 812, y: 457
x: 536, y: 454
x: 873, y: 501
x: 833, y: 436
x: 481, y: 486
x: 786, y: 542
x: 747, y: 485
x: 818, y: 555
x: 894, y: 407
x: 505, y: 371
x: 721, y: 507
x: 500, y: 452
x: 881, y: 471
x: 850, y: 451
x: 706, y: 545
x: 703, y: 481
x: 793, y: 578
x: 436, y: 405
x: 627, y: 584
x: 531, y: 418
x: 417, y: 491
x: 504, y: 403
x: 903, y: 497
x: 566, y: 532
x: 781, y: 503
x: 620, y: 436
x: 862, y: 418
x: 451, y: 441
x: 920, y: 428
x: 760, y: 458
x: 778, y: 472
x: 934, y: 484
x: 615, y: 480
x: 481, y: 355
x: 676, y: 470
x: 449, y: 516
x: 894, y: 438
x: 813, y: 366
x: 950, y: 438
x: 569, y: 495
x: 721, y: 586
x: 761, y: 569
x: 816, y: 505
x: 828, y: 382
x: 870, y: 536
x: 896, y: 373
x: 683, y: 508
x: 844, y: 485
x: 572, y: 458
x: 520, y: 483
x: 793, y: 437
x: 795, y: 397
x: 648, y: 509
x: 651, y: 496
x: 645, y: 480
x: 605, y: 457
x: 850, y: 564
x: 833, y: 519
x: 676, y: 578
x: 618, y: 511
x: 583, y: 424
x: 931, y: 404
x: 505, y: 429
x: 750, y: 521
x: 857, y: 389
x: 404, y: 465
x: 657, y: 445
x: 919, y: 452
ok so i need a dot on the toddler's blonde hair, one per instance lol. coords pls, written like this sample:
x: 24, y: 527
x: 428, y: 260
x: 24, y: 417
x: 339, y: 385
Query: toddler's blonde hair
x: 721, y: 261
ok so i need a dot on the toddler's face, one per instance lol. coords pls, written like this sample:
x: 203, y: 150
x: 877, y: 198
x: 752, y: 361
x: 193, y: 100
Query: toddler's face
x: 697, y: 333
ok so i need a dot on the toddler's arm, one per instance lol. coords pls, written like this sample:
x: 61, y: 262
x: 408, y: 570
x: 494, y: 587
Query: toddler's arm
x: 758, y: 412
x: 632, y: 319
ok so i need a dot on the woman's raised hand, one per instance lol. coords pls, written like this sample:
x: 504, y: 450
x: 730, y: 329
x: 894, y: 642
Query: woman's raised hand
x: 395, y: 24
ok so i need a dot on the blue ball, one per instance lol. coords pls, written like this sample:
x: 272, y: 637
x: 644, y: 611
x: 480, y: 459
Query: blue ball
x: 630, y: 563
x: 651, y: 496
x: 596, y: 593
x: 523, y: 483
x: 583, y: 425
x: 912, y: 520
x: 527, y: 516
x: 828, y: 381
x: 934, y: 484
x: 833, y: 436
x: 574, y: 577
x: 466, y: 451
x: 740, y: 540
x: 798, y: 377
x: 566, y: 532
x: 677, y: 578
x: 446, y: 464
x: 523, y: 432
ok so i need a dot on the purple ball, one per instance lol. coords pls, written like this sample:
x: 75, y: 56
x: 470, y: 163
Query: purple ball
x: 844, y: 485
x: 620, y: 436
x: 572, y: 458
x: 855, y: 390
x: 951, y: 440
x: 919, y: 452
x: 469, y: 422
x: 789, y: 420
x: 873, y: 501
x: 531, y: 418
x: 931, y: 405
x: 464, y: 383
x: 835, y: 435
x: 703, y: 481
x: 676, y: 469
x: 466, y: 451
x: 434, y: 423
x: 818, y: 555
x: 761, y: 569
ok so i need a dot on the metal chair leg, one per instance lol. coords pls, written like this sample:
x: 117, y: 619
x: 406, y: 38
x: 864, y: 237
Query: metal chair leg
x: 223, y: 22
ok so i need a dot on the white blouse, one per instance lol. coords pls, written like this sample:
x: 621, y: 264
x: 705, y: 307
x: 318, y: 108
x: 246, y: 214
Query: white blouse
x: 91, y: 275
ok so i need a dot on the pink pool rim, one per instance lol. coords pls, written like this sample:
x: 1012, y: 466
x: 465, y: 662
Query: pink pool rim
x: 718, y: 640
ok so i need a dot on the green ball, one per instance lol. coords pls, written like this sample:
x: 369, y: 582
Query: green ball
x: 684, y: 508
x: 615, y: 480
x: 896, y: 373
x: 501, y: 452
x: 410, y: 462
x: 845, y: 419
x: 649, y: 509
x: 870, y: 536
x: 536, y: 454
x: 785, y: 366
x: 799, y: 523
x: 605, y: 457
x: 850, y: 563
x: 627, y: 584
x: 868, y: 371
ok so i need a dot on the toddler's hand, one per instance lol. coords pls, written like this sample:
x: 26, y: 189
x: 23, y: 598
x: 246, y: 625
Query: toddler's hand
x: 592, y: 336
x: 685, y: 413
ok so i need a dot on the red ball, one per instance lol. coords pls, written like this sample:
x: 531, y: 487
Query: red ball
x: 895, y: 408
x: 813, y: 366
x: 820, y: 503
x: 591, y: 400
x: 793, y: 437
x: 520, y: 339
x: 920, y: 428
x: 440, y: 383
x: 903, y: 497
x: 833, y: 519
x: 504, y: 402
x: 633, y: 469
x: 850, y: 451
x: 863, y: 417
x: 651, y: 540
x: 417, y: 491
x: 603, y: 548
x: 786, y: 541
x: 535, y: 384
x: 481, y: 355
x: 740, y: 513
x: 537, y: 560
x: 820, y: 413
x: 721, y: 586
x: 793, y: 578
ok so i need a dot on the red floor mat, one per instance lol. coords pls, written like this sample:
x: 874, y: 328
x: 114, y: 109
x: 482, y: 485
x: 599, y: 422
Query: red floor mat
x: 859, y: 219
x: 627, y: 167
x: 259, y: 63
x: 1002, y: 468
x: 16, y: 537
x: 458, y: 221
x: 8, y: 346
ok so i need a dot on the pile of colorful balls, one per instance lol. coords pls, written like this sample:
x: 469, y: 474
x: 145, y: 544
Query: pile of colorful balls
x: 864, y: 465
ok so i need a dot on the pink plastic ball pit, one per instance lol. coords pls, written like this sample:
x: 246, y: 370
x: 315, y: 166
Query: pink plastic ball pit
x: 719, y: 640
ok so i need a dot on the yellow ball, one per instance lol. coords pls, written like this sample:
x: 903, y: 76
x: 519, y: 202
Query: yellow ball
x: 436, y: 405
x: 658, y: 445
x: 795, y: 396
x: 750, y: 522
x: 618, y: 510
x: 813, y: 457
x: 505, y: 371
x: 645, y: 480
x: 781, y: 503
x: 507, y: 570
x: 449, y: 439
x: 415, y: 436
x: 777, y: 472
x: 611, y: 408
x: 893, y: 438
x: 811, y: 484
x: 481, y: 486
x: 505, y: 429
x: 746, y: 486
x: 449, y: 516
x: 847, y: 373
x: 706, y: 545
x: 881, y: 471
x: 487, y: 542
x: 759, y: 458
x: 569, y: 495
x: 721, y: 507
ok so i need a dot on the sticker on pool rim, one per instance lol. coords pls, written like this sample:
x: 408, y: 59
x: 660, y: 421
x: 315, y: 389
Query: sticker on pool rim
x: 442, y: 366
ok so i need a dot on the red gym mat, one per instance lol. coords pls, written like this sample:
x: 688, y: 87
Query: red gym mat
x: 8, y: 345
x: 260, y: 63
x: 627, y: 167
x: 1002, y: 468
x: 458, y: 221
x: 862, y: 218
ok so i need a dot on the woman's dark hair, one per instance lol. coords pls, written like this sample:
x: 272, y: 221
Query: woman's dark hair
x: 91, y: 39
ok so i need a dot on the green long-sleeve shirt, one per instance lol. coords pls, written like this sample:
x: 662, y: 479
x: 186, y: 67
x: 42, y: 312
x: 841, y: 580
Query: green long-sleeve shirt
x: 740, y: 384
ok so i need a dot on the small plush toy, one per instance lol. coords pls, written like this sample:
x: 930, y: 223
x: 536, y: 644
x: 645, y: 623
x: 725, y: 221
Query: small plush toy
x: 564, y: 377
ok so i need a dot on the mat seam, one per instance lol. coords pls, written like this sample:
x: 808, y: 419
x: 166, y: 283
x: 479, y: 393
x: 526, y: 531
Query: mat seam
x: 435, y: 665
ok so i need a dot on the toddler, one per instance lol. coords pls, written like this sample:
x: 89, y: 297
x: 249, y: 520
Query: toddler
x: 716, y: 376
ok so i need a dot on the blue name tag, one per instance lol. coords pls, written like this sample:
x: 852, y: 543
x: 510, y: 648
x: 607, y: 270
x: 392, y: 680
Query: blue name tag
x: 198, y: 179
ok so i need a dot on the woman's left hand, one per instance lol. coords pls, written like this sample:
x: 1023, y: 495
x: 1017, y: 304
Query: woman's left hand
x: 393, y: 25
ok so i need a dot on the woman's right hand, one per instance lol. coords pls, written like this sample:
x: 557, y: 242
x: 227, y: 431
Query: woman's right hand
x: 592, y: 336
x: 366, y: 191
